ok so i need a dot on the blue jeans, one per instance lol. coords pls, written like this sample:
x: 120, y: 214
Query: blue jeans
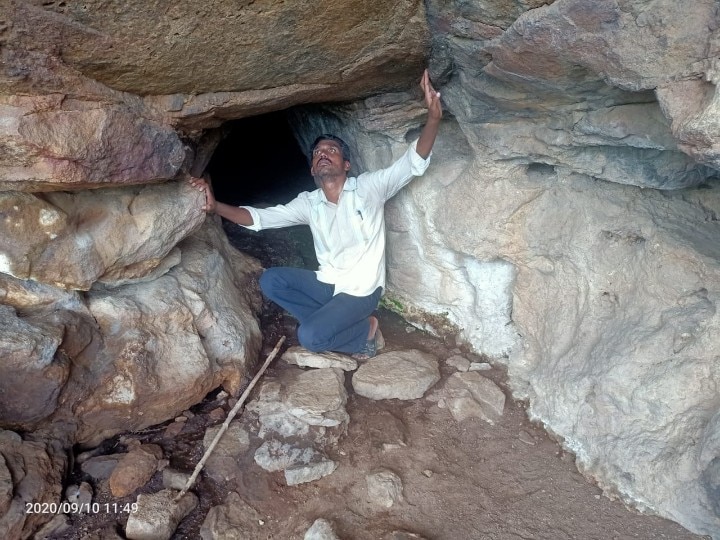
x: 327, y: 323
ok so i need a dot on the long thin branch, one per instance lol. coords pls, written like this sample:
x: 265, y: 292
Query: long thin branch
x: 226, y: 424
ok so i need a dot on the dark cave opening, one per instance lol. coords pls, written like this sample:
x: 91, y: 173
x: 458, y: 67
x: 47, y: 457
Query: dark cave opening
x: 260, y: 163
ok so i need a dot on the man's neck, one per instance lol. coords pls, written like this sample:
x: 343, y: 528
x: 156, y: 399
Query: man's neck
x: 332, y: 187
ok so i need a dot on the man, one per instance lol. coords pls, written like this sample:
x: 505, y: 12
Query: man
x: 335, y: 305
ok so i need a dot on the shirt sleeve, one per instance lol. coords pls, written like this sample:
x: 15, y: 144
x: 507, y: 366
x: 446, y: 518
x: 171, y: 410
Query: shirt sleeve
x: 296, y: 212
x: 387, y: 182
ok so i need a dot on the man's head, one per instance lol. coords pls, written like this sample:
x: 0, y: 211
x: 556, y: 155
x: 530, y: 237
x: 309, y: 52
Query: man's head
x: 329, y: 157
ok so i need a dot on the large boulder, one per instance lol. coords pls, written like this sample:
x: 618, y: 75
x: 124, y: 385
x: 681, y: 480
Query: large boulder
x: 72, y: 240
x: 126, y: 357
x: 48, y: 144
x: 31, y: 472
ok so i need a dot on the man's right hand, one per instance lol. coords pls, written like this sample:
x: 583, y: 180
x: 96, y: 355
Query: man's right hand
x: 202, y: 185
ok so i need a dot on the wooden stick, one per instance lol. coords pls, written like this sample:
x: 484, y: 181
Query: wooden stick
x: 231, y: 415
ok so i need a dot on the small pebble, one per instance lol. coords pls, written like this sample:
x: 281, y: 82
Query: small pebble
x: 217, y: 414
x: 410, y: 329
x: 479, y: 366
x: 525, y: 437
x: 428, y: 473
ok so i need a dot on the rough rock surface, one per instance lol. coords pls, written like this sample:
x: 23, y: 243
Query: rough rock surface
x: 321, y: 529
x: 300, y: 356
x: 50, y: 143
x: 538, y: 234
x: 73, y: 240
x: 470, y: 395
x: 302, y: 403
x: 233, y: 519
x: 158, y: 515
x: 300, y: 464
x: 384, y: 487
x: 132, y: 472
x: 113, y: 357
x: 223, y: 462
x: 37, y: 467
x: 397, y: 375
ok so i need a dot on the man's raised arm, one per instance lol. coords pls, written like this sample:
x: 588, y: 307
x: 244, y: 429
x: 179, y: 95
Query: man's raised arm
x: 429, y: 132
x: 237, y: 215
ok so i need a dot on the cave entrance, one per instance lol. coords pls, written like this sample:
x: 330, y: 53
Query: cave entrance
x: 260, y: 163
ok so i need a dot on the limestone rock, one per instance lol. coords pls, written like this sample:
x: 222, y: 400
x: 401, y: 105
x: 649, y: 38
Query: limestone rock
x: 37, y: 468
x: 130, y: 233
x: 299, y: 464
x: 318, y: 397
x: 302, y: 473
x: 50, y: 146
x: 233, y: 519
x: 175, y: 480
x: 223, y: 465
x: 80, y: 495
x: 397, y: 375
x: 321, y: 529
x: 153, y: 363
x: 158, y: 515
x: 100, y: 467
x: 479, y: 366
x: 458, y: 362
x: 472, y: 395
x: 303, y: 403
x: 384, y: 487
x: 132, y: 472
x: 6, y: 486
x: 34, y: 371
x: 300, y: 356
x: 56, y: 526
x: 403, y: 535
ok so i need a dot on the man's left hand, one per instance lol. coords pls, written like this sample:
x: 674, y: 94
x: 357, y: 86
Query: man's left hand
x: 432, y: 98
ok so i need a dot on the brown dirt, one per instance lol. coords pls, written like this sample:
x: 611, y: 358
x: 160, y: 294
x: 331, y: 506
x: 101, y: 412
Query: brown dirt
x: 467, y: 480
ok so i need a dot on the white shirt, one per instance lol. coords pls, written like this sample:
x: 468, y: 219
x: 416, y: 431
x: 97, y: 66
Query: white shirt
x: 349, y: 236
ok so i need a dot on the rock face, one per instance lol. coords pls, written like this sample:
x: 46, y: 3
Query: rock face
x: 115, y: 358
x: 31, y: 470
x: 567, y: 226
x: 73, y: 240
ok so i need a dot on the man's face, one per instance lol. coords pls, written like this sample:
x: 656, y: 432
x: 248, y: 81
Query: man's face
x: 327, y: 160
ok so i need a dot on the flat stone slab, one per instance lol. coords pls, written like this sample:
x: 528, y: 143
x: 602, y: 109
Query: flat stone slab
x: 470, y: 395
x: 300, y: 465
x: 300, y: 356
x: 303, y: 399
x: 397, y: 375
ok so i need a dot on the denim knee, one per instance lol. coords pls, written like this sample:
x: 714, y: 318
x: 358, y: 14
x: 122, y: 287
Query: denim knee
x: 311, y: 338
x: 268, y: 281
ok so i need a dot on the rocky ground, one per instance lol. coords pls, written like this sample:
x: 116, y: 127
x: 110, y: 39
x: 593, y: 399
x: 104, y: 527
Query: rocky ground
x: 453, y: 464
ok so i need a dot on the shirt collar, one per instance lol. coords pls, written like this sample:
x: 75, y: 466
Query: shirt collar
x: 350, y: 185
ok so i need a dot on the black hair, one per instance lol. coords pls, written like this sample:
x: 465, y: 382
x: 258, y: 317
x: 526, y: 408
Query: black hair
x: 344, y: 148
